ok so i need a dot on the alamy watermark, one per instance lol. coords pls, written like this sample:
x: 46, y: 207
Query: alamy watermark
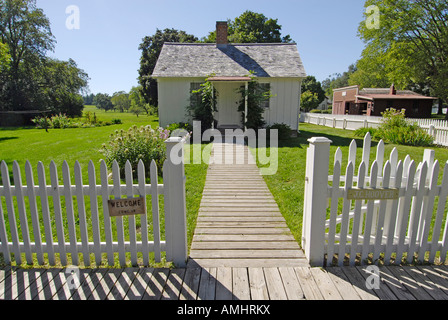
x: 373, y: 17
x: 229, y: 148
x: 373, y: 280
x: 73, y: 21
x: 72, y: 275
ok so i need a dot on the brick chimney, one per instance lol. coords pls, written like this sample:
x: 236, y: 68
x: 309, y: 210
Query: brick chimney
x: 393, y: 91
x: 221, y: 34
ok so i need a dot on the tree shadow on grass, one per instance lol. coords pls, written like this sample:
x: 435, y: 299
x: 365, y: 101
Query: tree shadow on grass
x: 8, y: 138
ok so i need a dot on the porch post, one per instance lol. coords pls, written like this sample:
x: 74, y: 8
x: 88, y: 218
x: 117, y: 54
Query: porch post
x: 246, y: 106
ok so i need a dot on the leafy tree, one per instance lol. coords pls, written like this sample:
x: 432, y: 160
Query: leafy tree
x: 338, y: 80
x: 103, y: 101
x: 32, y: 80
x: 138, y: 104
x: 121, y: 101
x: 26, y: 32
x: 4, y: 57
x: 410, y: 47
x: 61, y: 83
x: 252, y: 27
x: 151, y: 47
x: 309, y: 100
x: 312, y: 85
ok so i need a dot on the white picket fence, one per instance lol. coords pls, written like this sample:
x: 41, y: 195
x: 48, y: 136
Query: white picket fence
x: 95, y: 235
x: 336, y: 225
x: 437, y: 128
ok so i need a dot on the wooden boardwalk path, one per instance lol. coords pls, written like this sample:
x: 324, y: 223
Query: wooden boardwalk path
x: 239, y: 222
x: 284, y: 283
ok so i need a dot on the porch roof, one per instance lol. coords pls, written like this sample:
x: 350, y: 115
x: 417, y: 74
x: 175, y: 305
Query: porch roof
x: 232, y: 79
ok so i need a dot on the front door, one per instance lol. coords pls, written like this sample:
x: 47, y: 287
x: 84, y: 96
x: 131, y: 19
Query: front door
x: 227, y: 104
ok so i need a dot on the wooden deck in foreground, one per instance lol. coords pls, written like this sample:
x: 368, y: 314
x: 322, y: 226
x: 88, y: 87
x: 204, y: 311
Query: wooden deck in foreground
x: 286, y: 283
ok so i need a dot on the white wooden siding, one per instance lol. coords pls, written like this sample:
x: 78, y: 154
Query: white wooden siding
x: 174, y: 97
x: 174, y: 94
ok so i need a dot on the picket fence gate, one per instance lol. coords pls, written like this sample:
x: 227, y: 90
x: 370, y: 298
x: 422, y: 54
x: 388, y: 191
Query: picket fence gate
x: 66, y: 217
x: 337, y: 226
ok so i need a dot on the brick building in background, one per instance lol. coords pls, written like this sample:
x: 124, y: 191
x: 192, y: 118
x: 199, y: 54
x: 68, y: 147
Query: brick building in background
x: 373, y: 101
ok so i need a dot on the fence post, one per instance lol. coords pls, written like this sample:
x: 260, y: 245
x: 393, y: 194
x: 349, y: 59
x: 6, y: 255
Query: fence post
x: 316, y: 185
x: 174, y: 190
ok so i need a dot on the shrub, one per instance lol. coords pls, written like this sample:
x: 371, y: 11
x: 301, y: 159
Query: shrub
x: 136, y: 144
x: 60, y: 121
x: 284, y: 131
x: 397, y: 130
x: 117, y: 121
x: 315, y: 111
x: 42, y: 122
x: 361, y: 132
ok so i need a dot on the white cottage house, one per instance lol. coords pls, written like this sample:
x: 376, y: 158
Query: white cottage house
x: 182, y: 67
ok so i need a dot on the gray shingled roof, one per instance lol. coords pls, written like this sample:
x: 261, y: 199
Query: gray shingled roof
x: 234, y: 60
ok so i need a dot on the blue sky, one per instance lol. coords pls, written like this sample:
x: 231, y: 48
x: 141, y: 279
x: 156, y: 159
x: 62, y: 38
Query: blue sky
x: 110, y: 31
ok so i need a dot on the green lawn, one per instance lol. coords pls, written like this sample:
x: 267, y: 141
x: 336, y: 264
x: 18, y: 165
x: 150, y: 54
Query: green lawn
x: 287, y: 186
x: 83, y: 145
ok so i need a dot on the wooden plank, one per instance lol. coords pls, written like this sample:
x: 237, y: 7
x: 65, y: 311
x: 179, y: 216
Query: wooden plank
x: 356, y: 215
x: 156, y: 284
x: 33, y: 211
x: 11, y: 215
x: 384, y: 292
x: 207, y: 286
x: 29, y: 284
x: 326, y: 286
x: 22, y: 212
x: 89, y: 280
x: 334, y: 208
x: 173, y: 285
x: 94, y: 216
x: 241, y: 286
x: 131, y: 219
x: 106, y: 217
x: 291, y: 283
x: 119, y: 220
x: 70, y: 213
x: 274, y: 284
x: 106, y: 284
x: 247, y: 254
x: 155, y: 212
x: 359, y: 283
x: 190, y: 287
x: 255, y: 263
x: 224, y: 283
x: 140, y: 283
x: 437, y: 228
x: 257, y: 284
x: 123, y: 284
x: 284, y: 245
x: 243, y: 237
x: 58, y: 213
x: 239, y: 231
x: 425, y: 282
x: 345, y: 288
x: 82, y: 214
x: 394, y: 284
x: 409, y: 283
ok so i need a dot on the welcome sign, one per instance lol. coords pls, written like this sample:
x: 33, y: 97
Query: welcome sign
x: 127, y: 207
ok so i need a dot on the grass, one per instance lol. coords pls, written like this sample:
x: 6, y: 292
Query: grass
x: 287, y: 185
x: 83, y: 145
